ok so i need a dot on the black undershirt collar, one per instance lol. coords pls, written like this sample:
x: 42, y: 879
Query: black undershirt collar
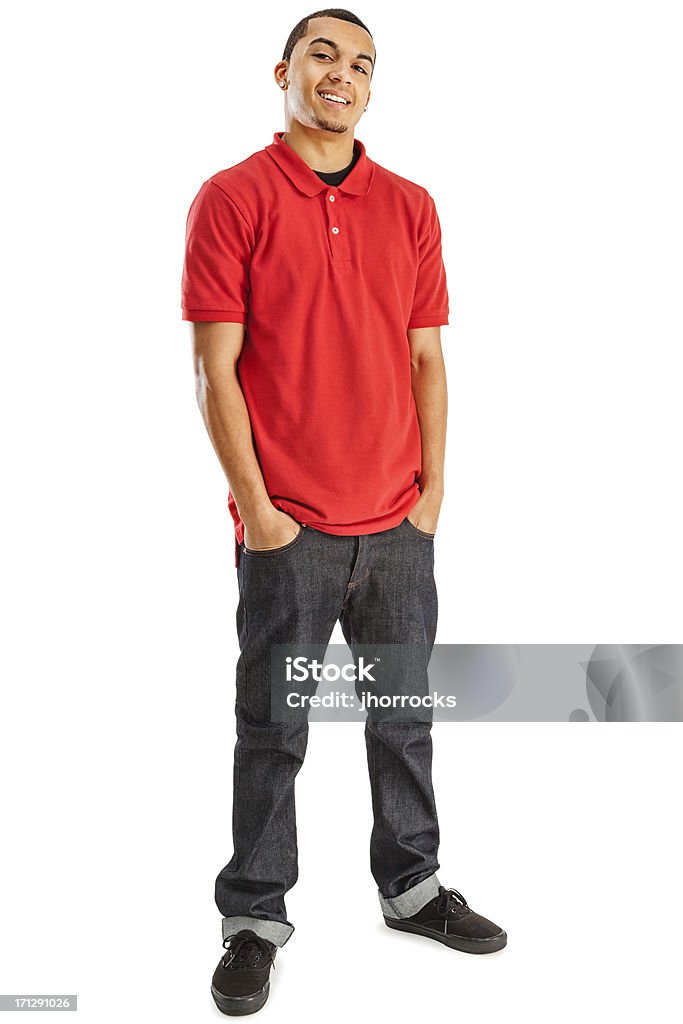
x: 336, y: 177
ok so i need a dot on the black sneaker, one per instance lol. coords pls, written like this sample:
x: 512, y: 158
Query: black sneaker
x: 241, y: 982
x: 448, y: 919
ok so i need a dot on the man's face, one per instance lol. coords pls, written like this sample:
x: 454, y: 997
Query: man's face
x: 317, y: 67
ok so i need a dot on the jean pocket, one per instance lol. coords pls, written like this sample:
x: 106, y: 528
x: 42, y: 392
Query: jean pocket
x: 420, y: 533
x: 265, y: 552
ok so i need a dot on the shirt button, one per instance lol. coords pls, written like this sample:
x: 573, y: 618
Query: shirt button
x: 331, y: 199
x: 335, y: 231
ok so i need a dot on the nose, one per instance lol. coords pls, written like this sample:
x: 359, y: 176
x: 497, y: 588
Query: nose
x: 341, y: 73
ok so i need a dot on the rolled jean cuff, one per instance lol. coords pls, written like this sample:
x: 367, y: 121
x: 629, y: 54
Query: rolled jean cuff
x: 408, y: 903
x: 275, y: 931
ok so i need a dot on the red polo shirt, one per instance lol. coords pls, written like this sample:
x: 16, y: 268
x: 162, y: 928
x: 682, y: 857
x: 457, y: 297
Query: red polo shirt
x: 327, y: 280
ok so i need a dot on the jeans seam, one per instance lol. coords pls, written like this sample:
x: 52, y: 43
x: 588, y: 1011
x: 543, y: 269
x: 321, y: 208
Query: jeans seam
x: 264, y: 552
x: 420, y: 533
x: 246, y: 642
x: 365, y: 575
x: 393, y: 907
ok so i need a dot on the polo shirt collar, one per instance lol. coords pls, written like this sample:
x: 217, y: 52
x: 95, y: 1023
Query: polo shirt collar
x: 357, y: 181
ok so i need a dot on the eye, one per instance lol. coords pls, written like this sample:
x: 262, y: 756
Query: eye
x: 359, y: 66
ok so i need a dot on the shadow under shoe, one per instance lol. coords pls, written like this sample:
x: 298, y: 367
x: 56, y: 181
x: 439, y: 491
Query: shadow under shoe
x: 450, y: 920
x: 241, y: 981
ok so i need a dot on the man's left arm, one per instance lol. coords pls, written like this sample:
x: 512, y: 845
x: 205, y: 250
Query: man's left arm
x: 428, y: 378
x: 430, y: 310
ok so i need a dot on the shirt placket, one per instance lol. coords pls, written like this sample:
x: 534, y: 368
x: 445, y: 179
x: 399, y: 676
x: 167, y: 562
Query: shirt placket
x: 340, y: 251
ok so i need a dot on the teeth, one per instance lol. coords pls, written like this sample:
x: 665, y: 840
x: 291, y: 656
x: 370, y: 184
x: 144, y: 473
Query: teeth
x: 335, y: 99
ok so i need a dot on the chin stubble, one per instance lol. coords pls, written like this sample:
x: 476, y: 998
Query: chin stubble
x: 330, y: 126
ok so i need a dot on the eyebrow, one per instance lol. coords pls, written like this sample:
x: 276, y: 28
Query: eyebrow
x: 328, y: 42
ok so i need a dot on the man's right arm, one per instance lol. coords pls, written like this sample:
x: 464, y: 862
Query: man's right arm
x: 216, y: 350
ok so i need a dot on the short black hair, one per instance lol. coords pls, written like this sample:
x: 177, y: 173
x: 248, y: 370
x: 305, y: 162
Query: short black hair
x: 300, y: 30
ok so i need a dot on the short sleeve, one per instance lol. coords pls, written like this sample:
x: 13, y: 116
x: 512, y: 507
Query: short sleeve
x: 430, y: 301
x: 218, y: 250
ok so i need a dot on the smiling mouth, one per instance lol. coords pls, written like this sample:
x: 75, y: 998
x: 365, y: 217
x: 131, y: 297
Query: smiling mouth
x: 339, y: 102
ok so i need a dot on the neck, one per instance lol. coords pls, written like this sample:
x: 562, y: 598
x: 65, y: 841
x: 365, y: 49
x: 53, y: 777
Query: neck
x: 321, y: 150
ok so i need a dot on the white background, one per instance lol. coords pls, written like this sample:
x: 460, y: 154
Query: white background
x: 549, y: 135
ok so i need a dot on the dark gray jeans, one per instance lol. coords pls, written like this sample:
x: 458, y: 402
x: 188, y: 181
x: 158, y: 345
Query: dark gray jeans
x: 381, y: 588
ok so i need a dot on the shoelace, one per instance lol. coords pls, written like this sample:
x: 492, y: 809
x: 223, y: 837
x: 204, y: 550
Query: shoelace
x: 246, y: 951
x: 450, y: 901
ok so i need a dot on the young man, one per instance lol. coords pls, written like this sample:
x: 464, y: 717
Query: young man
x: 315, y: 283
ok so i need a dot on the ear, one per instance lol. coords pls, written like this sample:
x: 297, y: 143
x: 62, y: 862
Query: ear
x: 280, y: 72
